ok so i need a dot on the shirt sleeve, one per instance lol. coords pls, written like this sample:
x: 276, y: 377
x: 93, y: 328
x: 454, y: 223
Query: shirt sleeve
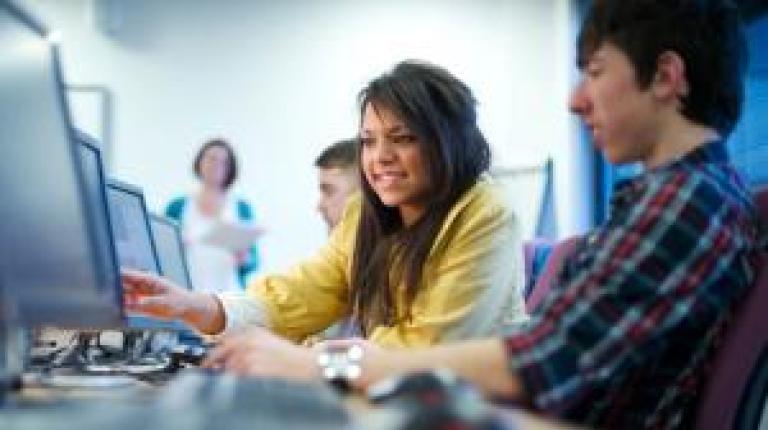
x: 241, y: 311
x: 473, y: 281
x: 313, y: 294
x: 646, y: 273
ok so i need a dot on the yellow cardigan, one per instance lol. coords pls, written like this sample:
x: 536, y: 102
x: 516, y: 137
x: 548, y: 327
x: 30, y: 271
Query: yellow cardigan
x: 471, y: 282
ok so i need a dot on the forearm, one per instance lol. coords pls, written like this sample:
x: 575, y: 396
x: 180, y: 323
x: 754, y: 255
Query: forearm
x: 482, y: 362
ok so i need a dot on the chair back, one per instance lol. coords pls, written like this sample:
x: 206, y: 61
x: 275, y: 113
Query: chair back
x: 547, y: 278
x: 735, y: 393
x: 535, y: 253
x: 761, y: 201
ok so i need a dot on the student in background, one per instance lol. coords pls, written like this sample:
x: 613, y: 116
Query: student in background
x: 338, y: 177
x: 624, y: 338
x: 212, y: 268
x: 428, y: 253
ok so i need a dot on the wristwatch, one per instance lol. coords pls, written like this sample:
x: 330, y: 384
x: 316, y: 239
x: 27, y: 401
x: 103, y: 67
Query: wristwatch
x: 340, y: 365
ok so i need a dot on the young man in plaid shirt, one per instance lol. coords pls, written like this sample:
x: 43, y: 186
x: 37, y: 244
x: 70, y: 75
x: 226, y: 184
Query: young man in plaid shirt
x: 623, y: 338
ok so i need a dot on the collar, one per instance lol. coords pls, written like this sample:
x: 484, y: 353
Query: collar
x: 715, y: 152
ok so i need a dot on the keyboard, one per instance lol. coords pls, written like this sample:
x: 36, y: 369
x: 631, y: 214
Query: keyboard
x: 194, y: 399
x: 223, y: 401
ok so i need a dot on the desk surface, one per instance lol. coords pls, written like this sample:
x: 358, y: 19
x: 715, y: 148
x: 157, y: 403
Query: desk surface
x: 141, y: 396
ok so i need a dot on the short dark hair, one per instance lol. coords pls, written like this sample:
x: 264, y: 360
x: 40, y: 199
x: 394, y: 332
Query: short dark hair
x: 441, y: 111
x: 231, y: 163
x: 707, y: 34
x: 342, y: 154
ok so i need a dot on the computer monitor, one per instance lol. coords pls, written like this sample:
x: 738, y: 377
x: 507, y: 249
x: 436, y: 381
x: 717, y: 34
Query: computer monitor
x: 170, y: 250
x: 49, y: 265
x: 95, y: 180
x: 133, y: 242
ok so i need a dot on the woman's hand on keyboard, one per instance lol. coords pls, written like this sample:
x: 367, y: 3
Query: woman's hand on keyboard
x: 257, y: 352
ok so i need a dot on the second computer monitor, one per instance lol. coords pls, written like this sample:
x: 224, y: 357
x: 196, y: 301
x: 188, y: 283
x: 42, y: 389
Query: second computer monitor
x: 133, y: 241
x: 170, y: 250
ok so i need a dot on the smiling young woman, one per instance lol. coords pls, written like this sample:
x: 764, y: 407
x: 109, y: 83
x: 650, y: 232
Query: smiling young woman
x: 422, y: 158
x: 426, y: 253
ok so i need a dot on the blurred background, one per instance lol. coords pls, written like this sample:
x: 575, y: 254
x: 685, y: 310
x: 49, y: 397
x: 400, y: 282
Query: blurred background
x: 152, y: 80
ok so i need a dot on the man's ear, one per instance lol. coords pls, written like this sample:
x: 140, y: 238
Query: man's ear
x: 670, y: 80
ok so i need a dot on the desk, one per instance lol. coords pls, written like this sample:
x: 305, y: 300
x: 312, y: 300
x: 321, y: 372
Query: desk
x: 132, y: 407
x: 527, y: 420
x: 513, y: 418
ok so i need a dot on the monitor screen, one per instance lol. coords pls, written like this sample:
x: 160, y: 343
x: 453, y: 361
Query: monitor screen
x: 130, y: 228
x: 133, y: 242
x: 170, y: 250
x: 49, y: 268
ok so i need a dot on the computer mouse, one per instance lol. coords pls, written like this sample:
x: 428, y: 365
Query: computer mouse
x: 424, y: 386
x: 434, y: 399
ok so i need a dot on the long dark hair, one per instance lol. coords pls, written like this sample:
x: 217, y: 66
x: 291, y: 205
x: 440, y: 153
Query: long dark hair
x: 440, y: 110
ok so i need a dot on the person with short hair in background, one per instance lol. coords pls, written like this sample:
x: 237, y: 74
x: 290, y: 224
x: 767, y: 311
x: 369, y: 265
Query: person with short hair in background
x: 338, y: 177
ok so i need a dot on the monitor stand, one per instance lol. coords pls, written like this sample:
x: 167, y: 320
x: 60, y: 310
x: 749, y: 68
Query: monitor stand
x: 138, y: 361
x: 13, y: 347
x: 88, y: 355
x: 85, y: 352
x: 86, y: 364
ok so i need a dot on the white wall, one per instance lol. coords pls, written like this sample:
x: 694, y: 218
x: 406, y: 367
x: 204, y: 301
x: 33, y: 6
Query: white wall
x: 279, y: 78
x: 572, y: 151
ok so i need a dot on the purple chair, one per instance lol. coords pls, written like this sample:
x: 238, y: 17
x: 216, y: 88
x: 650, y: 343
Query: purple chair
x: 549, y: 274
x: 735, y: 394
x: 761, y: 200
x: 532, y: 251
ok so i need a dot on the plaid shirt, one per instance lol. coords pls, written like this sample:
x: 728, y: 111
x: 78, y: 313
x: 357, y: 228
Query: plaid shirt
x: 623, y: 338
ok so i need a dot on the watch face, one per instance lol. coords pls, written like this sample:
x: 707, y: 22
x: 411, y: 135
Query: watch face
x: 340, y: 364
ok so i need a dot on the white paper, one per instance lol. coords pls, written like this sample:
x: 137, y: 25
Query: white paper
x: 232, y: 237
